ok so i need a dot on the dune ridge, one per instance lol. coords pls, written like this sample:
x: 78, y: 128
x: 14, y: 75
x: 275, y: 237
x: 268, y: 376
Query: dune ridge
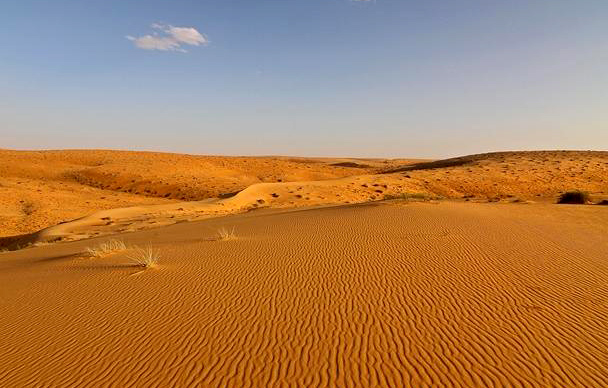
x: 506, y: 176
x: 37, y: 186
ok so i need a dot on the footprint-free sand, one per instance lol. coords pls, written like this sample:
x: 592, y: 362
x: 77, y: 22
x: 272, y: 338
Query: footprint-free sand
x: 389, y: 294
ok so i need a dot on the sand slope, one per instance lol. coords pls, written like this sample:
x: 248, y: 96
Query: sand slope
x: 43, y: 188
x: 391, y: 295
x: 537, y: 175
x: 510, y: 177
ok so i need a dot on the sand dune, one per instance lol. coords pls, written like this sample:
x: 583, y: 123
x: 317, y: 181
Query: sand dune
x: 329, y: 282
x: 537, y: 175
x: 395, y: 294
x: 37, y: 186
x: 509, y: 177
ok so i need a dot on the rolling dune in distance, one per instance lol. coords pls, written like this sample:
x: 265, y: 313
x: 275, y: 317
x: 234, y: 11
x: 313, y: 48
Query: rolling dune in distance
x: 36, y: 186
x: 390, y: 294
x: 303, y: 272
x: 115, y: 191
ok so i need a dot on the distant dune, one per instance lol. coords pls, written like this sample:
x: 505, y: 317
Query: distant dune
x: 45, y: 188
x: 387, y: 294
x: 134, y: 269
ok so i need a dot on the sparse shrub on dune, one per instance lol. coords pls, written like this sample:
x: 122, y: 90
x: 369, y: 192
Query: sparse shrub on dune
x: 28, y: 208
x: 146, y: 257
x: 515, y: 199
x: 603, y: 202
x: 107, y: 248
x: 141, y: 257
x: 575, y: 197
x: 408, y: 196
x: 226, y: 234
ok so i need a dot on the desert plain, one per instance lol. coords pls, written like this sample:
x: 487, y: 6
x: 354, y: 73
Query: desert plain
x: 302, y: 272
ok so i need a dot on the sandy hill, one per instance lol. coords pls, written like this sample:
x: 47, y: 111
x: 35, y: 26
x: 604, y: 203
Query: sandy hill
x: 388, y: 294
x: 330, y: 272
x: 130, y: 187
x: 539, y: 175
x: 43, y: 188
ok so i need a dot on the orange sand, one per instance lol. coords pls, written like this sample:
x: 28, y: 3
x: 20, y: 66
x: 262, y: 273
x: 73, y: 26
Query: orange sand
x: 393, y: 294
x: 43, y: 188
x: 508, y: 177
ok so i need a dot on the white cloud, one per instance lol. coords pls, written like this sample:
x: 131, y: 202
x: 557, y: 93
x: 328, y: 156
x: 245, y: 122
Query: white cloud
x: 188, y: 35
x: 170, y: 38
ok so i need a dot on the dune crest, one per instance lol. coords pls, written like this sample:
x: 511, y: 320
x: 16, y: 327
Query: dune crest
x: 37, y: 186
x: 506, y: 176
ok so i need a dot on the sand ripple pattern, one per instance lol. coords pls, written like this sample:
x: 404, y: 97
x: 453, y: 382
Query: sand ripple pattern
x: 422, y: 295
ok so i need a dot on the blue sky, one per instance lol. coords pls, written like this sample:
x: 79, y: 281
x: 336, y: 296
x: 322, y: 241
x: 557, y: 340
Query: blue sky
x: 306, y: 77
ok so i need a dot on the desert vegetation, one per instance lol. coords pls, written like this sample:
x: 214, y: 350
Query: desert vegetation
x: 575, y: 197
x: 28, y: 207
x: 225, y: 234
x: 146, y: 257
x: 107, y: 248
x: 409, y: 196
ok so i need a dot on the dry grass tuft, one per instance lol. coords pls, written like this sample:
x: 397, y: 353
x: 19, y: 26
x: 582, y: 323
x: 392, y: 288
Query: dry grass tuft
x: 107, y: 248
x: 226, y: 234
x: 145, y: 257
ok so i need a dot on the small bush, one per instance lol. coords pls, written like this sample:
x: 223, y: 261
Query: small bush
x: 574, y: 197
x: 145, y: 257
x: 226, y: 234
x: 603, y: 202
x: 408, y: 196
x: 28, y: 208
x: 517, y: 200
x: 107, y: 248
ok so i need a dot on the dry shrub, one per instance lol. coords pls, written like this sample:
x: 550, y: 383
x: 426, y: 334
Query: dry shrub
x: 107, y: 248
x: 28, y: 208
x: 575, y: 197
x: 226, y: 234
x: 145, y: 257
x: 409, y: 196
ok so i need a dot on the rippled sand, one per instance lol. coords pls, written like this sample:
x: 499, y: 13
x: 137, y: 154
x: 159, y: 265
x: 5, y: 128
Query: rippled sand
x: 389, y: 295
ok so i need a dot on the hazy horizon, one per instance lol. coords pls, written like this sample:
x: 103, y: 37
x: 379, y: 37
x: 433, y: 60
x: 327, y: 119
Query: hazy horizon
x: 311, y: 155
x: 385, y: 78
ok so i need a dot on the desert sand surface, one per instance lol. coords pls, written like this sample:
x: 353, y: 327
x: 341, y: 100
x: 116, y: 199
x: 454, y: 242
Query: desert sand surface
x: 246, y: 184
x: 43, y: 188
x: 384, y: 294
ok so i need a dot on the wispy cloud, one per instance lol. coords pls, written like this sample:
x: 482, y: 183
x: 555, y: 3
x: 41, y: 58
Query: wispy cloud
x: 169, y: 38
